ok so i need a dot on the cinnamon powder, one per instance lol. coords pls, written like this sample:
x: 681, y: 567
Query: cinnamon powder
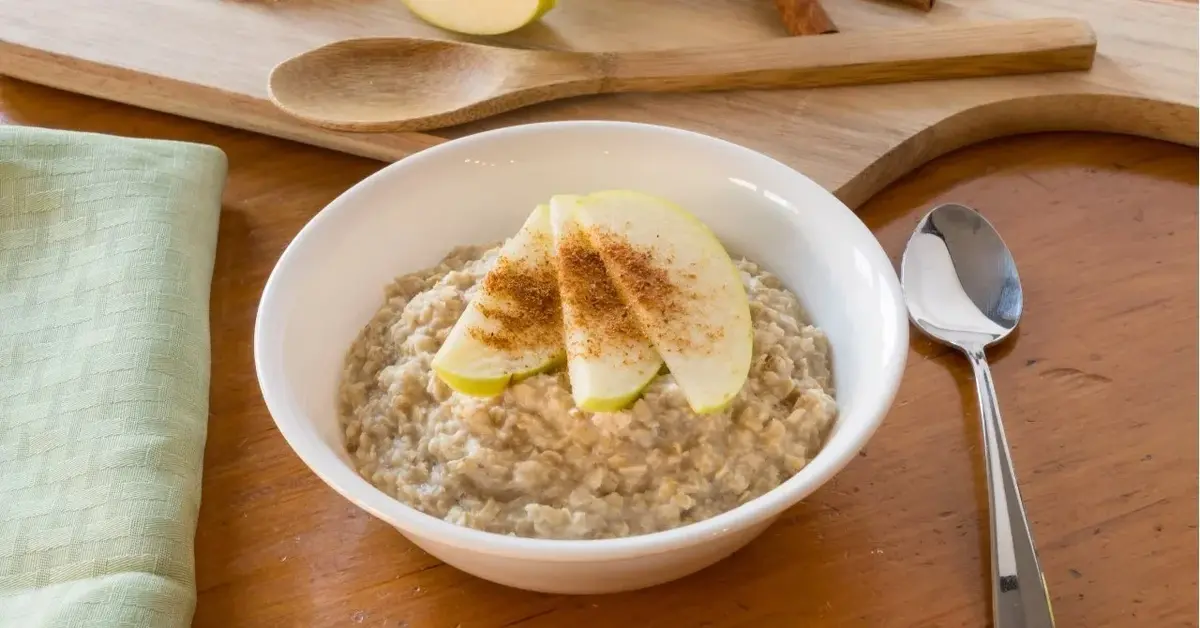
x: 524, y: 307
x: 595, y: 301
x: 669, y: 304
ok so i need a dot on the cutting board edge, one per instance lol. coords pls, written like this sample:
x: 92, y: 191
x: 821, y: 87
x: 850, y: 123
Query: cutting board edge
x: 1091, y: 111
x: 200, y: 102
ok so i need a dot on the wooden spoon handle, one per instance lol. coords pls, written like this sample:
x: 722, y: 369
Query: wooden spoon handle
x: 889, y: 56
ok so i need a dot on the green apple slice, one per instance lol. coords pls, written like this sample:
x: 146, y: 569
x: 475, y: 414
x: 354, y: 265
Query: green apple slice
x: 480, y: 17
x: 609, y: 360
x: 512, y: 327
x: 685, y: 290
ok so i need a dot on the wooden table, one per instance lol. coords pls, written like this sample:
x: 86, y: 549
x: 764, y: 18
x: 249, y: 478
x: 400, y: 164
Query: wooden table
x: 1098, y: 389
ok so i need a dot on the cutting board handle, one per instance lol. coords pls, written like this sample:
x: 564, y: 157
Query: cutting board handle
x: 886, y: 56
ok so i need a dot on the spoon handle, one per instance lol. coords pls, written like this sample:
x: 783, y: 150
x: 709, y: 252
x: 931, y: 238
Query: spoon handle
x: 853, y: 58
x: 1019, y: 595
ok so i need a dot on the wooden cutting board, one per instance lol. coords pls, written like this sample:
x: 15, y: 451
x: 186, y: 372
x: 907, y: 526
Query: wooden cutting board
x: 209, y: 59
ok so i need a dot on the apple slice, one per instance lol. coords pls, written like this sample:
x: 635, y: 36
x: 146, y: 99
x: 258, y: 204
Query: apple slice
x: 480, y: 17
x: 512, y: 327
x: 609, y: 360
x: 679, y: 281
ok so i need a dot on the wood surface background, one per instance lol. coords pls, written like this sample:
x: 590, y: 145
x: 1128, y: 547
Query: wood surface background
x: 210, y: 59
x: 1098, y: 390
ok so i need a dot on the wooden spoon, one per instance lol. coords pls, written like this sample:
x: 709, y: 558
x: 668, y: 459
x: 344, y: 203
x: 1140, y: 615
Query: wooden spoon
x: 403, y: 84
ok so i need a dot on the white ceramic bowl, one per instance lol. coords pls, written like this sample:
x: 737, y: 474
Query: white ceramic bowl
x: 329, y: 282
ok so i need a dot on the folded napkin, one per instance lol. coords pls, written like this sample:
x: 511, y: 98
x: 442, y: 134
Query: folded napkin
x: 106, y: 257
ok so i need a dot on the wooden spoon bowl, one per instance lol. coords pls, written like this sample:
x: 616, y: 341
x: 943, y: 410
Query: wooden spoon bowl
x: 377, y: 80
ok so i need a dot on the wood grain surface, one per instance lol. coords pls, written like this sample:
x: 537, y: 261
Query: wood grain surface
x: 1098, y: 389
x: 210, y: 59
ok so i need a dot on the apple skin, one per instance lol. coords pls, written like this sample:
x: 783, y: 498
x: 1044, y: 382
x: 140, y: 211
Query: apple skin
x: 491, y: 387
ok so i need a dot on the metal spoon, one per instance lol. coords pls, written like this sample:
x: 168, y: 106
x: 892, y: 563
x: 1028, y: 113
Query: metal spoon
x: 962, y: 289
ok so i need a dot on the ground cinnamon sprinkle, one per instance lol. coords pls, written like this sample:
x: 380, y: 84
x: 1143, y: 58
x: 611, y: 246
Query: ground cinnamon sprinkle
x: 526, y: 309
x: 648, y: 283
x: 595, y: 301
x: 668, y: 303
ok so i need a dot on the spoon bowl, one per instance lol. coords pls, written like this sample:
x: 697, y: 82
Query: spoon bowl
x: 960, y: 280
x: 376, y: 80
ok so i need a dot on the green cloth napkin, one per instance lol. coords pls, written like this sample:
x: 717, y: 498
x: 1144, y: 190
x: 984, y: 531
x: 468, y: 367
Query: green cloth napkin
x: 106, y: 256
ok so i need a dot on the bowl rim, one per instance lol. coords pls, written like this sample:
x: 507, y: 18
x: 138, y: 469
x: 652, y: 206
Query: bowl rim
x: 410, y: 521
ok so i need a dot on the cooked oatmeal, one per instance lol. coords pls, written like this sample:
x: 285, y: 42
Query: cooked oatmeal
x: 529, y: 463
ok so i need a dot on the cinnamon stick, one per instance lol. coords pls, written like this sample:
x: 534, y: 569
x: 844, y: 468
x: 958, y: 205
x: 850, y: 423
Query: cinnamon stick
x: 805, y: 17
x: 924, y: 5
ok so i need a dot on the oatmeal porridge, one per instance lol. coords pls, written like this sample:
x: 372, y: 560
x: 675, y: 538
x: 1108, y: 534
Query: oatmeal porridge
x: 529, y: 463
